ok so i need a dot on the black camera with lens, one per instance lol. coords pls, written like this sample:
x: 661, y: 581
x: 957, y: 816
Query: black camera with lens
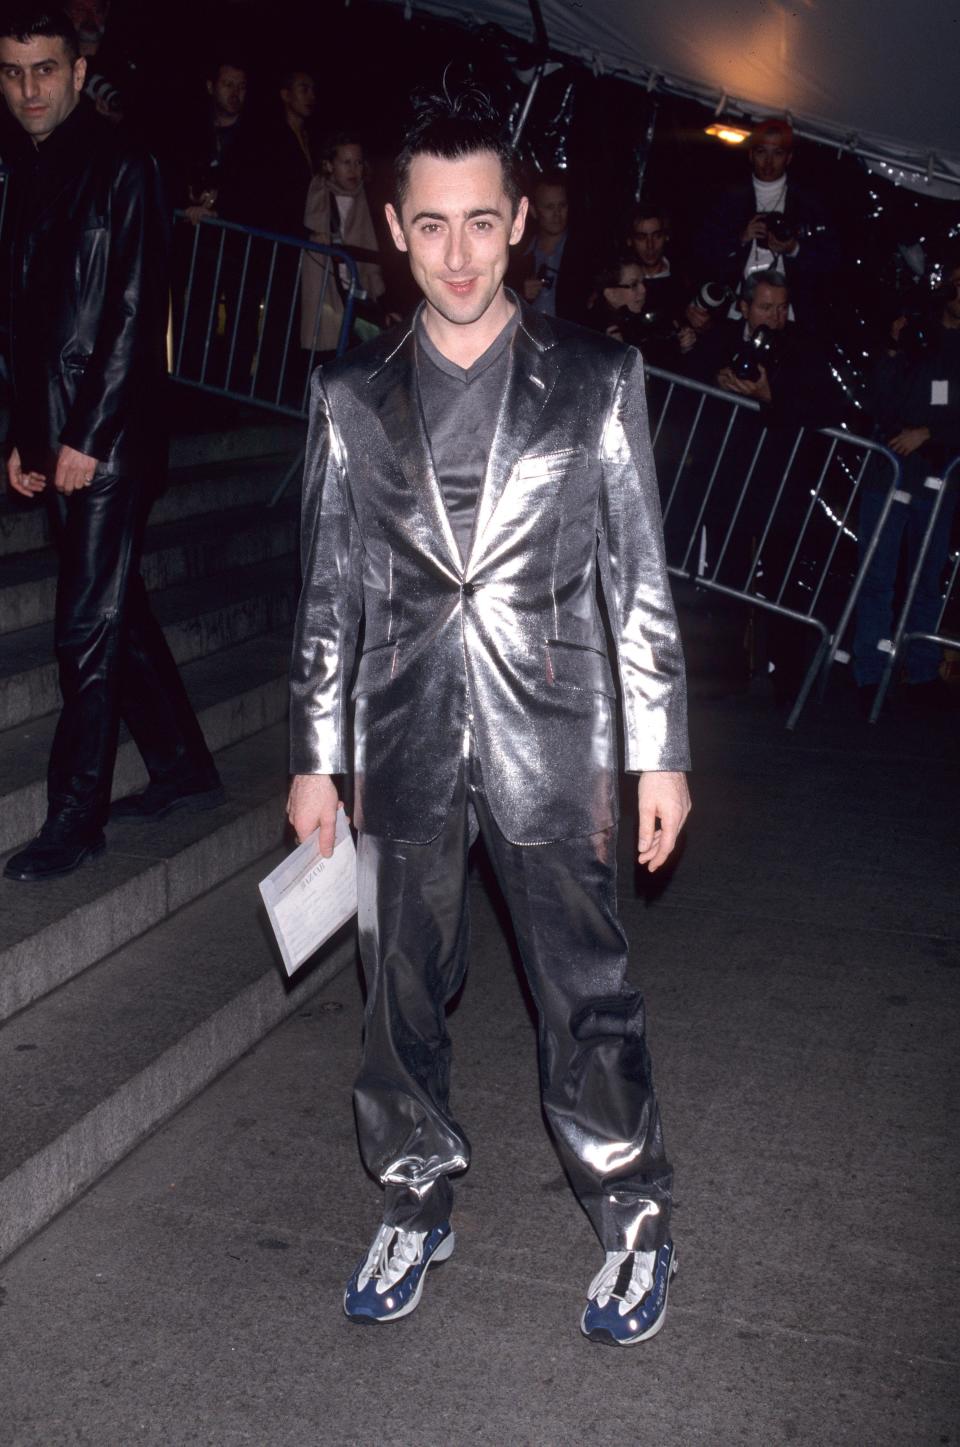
x: 713, y: 296
x: 752, y: 354
x: 546, y: 276
x: 654, y: 324
x: 781, y: 227
x: 102, y: 93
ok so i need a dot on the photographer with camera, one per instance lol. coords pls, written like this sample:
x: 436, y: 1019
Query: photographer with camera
x: 551, y: 269
x: 768, y: 358
x: 659, y: 328
x: 914, y: 400
x: 768, y: 223
x: 621, y: 306
x: 765, y: 356
x: 111, y: 78
x: 648, y: 232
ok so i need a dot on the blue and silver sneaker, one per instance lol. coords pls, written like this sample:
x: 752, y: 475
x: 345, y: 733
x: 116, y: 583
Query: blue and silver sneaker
x: 388, y: 1284
x: 627, y: 1299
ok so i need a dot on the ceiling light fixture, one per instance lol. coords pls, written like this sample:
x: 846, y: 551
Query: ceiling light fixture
x: 732, y: 135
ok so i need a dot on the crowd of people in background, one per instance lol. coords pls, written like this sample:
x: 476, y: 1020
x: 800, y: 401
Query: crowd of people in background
x: 743, y: 299
x: 762, y: 266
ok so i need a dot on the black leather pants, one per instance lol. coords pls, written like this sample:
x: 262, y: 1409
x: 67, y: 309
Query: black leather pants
x: 595, y: 1076
x: 112, y: 656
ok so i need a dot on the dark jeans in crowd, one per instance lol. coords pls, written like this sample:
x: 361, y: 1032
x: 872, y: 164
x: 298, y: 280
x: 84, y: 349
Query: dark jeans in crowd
x: 906, y: 527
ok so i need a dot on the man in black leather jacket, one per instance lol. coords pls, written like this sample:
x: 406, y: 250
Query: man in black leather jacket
x: 88, y: 310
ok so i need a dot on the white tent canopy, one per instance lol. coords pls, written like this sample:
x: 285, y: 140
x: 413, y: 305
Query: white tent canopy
x: 875, y: 76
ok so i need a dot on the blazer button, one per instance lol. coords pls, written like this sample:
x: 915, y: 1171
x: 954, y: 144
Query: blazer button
x: 468, y: 589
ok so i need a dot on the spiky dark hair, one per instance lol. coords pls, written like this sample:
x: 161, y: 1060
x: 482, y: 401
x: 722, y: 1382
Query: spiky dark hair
x: 24, y: 22
x: 451, y: 126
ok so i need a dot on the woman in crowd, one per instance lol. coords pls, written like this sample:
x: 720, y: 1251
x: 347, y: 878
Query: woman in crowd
x: 337, y: 214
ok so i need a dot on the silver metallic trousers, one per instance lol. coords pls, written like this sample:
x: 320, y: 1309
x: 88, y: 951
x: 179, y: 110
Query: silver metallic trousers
x: 595, y: 1075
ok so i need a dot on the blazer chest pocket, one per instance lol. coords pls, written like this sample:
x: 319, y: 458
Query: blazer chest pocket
x: 376, y: 669
x: 577, y: 666
x: 546, y: 464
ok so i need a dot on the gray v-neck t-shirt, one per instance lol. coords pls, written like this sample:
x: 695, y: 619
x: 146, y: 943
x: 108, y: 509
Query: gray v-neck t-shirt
x: 460, y: 409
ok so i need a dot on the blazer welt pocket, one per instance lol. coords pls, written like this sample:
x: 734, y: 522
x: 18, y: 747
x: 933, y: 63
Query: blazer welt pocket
x: 576, y: 665
x: 547, y: 464
x: 377, y: 667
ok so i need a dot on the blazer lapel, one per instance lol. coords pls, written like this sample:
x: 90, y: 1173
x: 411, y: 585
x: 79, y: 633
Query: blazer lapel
x: 531, y: 375
x: 395, y: 396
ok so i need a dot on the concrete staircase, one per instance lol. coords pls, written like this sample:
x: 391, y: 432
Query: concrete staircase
x: 126, y: 987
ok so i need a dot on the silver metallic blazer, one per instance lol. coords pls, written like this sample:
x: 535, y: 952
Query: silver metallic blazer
x: 510, y: 643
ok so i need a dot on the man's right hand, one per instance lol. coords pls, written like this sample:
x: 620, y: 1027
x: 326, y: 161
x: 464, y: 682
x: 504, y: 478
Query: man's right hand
x: 755, y: 230
x: 758, y: 390
x: 312, y: 804
x: 27, y: 484
x: 532, y: 287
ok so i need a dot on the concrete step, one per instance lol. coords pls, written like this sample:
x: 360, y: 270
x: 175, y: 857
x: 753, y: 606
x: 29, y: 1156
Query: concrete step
x: 161, y: 1018
x: 228, y: 712
x: 23, y: 525
x: 50, y: 933
x: 197, y: 618
x: 174, y: 552
x: 210, y: 486
x: 215, y: 487
x: 240, y: 433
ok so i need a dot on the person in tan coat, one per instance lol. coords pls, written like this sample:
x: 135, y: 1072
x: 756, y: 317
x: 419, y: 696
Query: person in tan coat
x: 337, y: 214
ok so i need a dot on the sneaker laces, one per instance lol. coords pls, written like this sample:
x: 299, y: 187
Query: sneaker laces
x: 626, y: 1275
x: 391, y: 1256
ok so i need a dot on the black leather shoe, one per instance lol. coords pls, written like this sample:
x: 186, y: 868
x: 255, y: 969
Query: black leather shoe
x: 57, y: 850
x: 162, y: 797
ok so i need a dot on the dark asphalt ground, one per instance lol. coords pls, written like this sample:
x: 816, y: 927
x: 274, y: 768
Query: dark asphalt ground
x: 800, y: 966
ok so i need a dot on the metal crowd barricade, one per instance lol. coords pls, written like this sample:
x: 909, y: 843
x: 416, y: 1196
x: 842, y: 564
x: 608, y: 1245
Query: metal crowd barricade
x: 237, y: 326
x: 946, y: 629
x: 765, y: 514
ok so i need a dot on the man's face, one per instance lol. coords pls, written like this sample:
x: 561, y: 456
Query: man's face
x: 40, y: 85
x: 457, y: 228
x: 346, y: 168
x: 300, y: 96
x: 551, y: 208
x: 228, y: 91
x: 648, y: 241
x: 90, y: 21
x: 768, y: 309
x: 771, y: 157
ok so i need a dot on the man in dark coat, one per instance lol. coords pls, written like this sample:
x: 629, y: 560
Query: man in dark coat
x: 768, y: 222
x: 790, y: 380
x: 914, y: 401
x: 88, y: 317
x: 290, y: 156
x: 552, y: 269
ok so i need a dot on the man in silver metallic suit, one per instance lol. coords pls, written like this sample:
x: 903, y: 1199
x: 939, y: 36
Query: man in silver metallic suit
x: 466, y: 476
